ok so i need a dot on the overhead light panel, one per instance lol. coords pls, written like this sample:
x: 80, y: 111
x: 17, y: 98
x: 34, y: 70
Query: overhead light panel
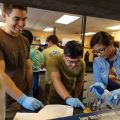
x: 89, y: 33
x: 66, y: 19
x: 2, y: 24
x: 117, y: 27
x: 48, y: 29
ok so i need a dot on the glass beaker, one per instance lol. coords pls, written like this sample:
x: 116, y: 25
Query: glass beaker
x: 92, y: 101
x: 97, y: 104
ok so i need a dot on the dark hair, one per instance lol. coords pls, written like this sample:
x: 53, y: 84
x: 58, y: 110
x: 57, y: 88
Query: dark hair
x: 28, y: 35
x: 9, y: 6
x: 116, y: 44
x: 39, y: 48
x: 101, y: 38
x: 73, y: 49
x: 53, y: 38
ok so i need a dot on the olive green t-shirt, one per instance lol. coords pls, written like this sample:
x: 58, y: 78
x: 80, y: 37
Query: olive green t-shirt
x: 48, y: 53
x: 68, y: 76
x: 14, y: 51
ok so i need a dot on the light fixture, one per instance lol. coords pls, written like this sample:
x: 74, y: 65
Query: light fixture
x: 117, y: 27
x: 2, y: 24
x: 66, y: 19
x: 48, y: 29
x: 89, y: 33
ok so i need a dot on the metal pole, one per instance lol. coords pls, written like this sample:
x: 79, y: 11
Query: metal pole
x: 83, y: 29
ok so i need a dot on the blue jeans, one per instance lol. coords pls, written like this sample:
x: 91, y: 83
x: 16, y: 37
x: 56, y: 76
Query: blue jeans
x: 35, y: 85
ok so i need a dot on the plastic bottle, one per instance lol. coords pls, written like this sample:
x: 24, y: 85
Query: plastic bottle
x: 102, y: 104
x: 2, y: 101
x: 105, y: 95
x: 92, y: 101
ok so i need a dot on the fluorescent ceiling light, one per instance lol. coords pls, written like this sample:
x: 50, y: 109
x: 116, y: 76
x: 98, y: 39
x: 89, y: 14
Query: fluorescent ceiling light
x: 2, y: 24
x: 117, y: 27
x: 48, y: 29
x: 89, y: 33
x: 66, y: 19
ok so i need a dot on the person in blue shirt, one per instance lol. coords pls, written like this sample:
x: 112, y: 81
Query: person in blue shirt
x: 106, y: 67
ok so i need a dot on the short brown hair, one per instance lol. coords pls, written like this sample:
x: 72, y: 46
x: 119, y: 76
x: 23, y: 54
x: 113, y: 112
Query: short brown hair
x: 53, y: 39
x: 73, y: 49
x: 9, y: 6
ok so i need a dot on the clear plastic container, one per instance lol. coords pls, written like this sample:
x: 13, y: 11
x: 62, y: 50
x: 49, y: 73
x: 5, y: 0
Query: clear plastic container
x: 105, y: 95
x: 2, y: 101
x: 98, y: 104
x: 92, y: 101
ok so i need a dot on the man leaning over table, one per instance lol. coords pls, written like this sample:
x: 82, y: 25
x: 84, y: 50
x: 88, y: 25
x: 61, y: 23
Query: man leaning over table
x: 66, y: 72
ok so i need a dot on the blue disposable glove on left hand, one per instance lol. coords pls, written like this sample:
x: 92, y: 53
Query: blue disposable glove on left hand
x: 74, y: 102
x: 114, y: 98
x: 97, y: 89
x: 29, y: 103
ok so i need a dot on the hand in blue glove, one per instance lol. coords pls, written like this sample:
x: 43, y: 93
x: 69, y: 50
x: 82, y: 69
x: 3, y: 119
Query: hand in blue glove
x: 97, y: 89
x: 29, y: 103
x: 114, y: 98
x: 74, y: 102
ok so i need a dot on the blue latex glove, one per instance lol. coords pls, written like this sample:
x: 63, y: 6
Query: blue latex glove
x: 114, y: 98
x: 74, y: 102
x: 97, y: 89
x: 29, y: 103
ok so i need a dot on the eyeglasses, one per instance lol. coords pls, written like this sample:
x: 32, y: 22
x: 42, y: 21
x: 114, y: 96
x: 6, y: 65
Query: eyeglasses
x: 70, y: 62
x: 101, y: 50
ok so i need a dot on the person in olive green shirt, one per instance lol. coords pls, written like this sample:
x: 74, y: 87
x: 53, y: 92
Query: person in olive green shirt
x: 52, y: 50
x: 67, y: 74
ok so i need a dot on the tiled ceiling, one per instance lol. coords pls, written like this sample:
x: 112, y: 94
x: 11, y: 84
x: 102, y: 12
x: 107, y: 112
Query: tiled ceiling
x: 38, y: 19
x: 99, y: 8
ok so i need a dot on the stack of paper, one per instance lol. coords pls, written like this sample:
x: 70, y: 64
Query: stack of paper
x: 48, y: 112
x: 55, y: 111
x: 26, y: 116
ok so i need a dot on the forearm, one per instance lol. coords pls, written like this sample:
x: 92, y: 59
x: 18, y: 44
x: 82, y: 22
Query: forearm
x: 79, y: 82
x: 60, y: 88
x: 29, y: 74
x: 10, y: 87
x: 78, y: 88
x: 29, y: 78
